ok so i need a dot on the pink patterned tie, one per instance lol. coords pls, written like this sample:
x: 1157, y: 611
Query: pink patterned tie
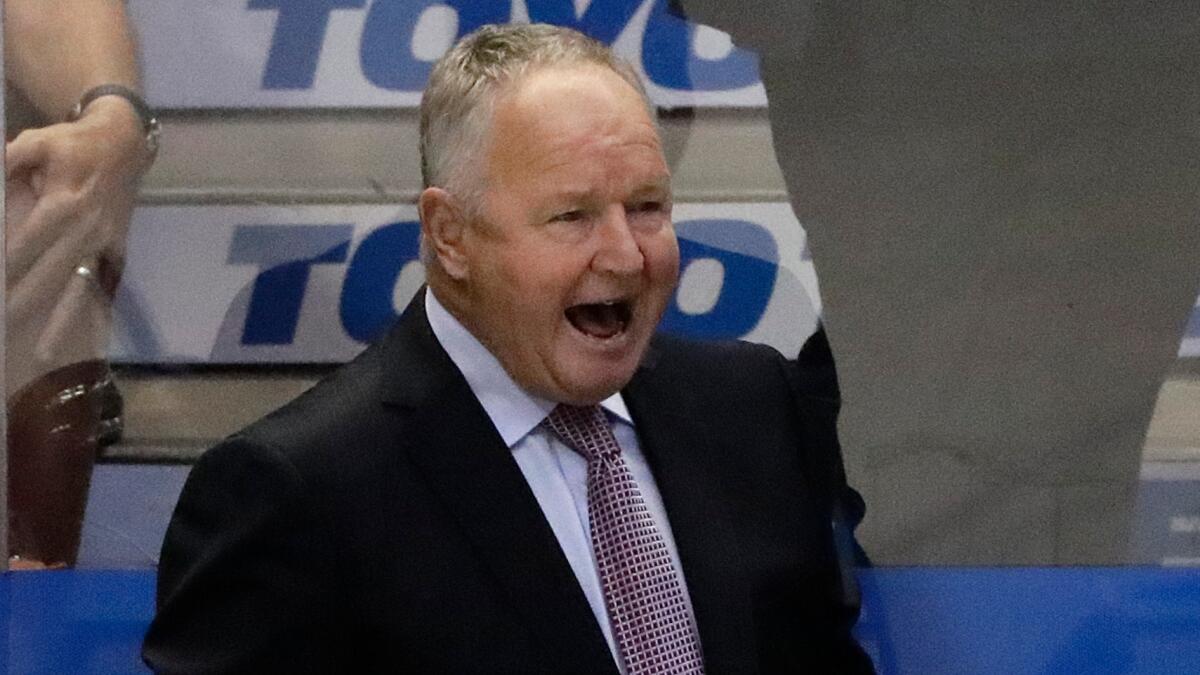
x: 643, y: 593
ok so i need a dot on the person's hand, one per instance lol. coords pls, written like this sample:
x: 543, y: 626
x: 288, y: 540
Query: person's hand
x: 73, y: 169
x: 70, y: 190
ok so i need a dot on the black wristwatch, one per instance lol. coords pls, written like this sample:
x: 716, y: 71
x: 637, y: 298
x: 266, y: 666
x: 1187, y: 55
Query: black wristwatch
x: 150, y: 123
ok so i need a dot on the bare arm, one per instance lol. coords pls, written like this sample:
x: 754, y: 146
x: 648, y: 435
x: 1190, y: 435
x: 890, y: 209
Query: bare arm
x: 57, y: 49
x: 70, y: 185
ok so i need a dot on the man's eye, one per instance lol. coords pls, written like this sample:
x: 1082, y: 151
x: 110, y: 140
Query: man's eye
x: 569, y: 216
x: 648, y: 207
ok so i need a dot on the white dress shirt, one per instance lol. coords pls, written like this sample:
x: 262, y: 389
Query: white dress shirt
x: 556, y: 474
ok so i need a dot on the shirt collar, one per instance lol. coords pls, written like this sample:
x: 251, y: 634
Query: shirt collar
x: 513, y: 411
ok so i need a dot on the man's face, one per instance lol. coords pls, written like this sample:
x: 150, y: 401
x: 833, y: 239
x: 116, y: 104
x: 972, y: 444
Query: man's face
x: 573, y: 256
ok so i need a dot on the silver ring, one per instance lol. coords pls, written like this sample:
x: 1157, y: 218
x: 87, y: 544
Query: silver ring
x: 84, y: 271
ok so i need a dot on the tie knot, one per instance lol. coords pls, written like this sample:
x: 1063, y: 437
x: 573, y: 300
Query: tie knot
x: 585, y: 430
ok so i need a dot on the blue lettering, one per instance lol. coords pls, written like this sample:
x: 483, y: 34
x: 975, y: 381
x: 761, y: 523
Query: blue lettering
x: 285, y: 254
x: 296, y: 44
x: 386, y: 49
x: 603, y: 19
x: 750, y: 257
x: 388, y: 62
x: 366, y: 307
x: 670, y: 61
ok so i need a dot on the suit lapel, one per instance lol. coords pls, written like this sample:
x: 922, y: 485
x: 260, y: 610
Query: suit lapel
x: 473, y: 473
x: 684, y: 460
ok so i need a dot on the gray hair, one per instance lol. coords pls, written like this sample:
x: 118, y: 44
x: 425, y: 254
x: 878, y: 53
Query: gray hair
x: 457, y: 105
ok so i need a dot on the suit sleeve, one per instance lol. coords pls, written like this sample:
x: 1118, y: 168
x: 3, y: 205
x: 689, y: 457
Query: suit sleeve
x: 814, y: 382
x: 812, y: 379
x: 245, y: 573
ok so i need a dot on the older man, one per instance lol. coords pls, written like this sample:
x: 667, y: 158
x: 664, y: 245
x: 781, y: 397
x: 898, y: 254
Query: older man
x: 521, y: 477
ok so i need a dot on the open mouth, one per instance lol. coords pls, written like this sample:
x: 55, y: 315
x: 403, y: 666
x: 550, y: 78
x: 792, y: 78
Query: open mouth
x: 602, y: 320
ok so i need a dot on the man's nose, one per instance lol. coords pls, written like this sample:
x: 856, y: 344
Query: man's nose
x: 617, y: 249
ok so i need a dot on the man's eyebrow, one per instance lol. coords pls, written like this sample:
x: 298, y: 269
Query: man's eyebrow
x: 659, y: 186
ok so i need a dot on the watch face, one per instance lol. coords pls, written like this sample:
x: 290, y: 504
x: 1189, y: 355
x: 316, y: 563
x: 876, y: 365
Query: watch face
x: 153, y: 131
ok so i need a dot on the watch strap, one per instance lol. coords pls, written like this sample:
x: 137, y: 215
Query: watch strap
x: 150, y: 124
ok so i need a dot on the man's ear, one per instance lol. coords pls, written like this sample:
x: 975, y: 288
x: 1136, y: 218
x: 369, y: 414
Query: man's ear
x: 443, y: 225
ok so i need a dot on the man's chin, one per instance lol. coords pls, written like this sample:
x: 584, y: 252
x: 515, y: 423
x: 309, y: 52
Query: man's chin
x: 587, y: 388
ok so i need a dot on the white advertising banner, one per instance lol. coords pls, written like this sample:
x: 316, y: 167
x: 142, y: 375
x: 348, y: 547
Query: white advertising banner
x: 378, y: 53
x: 211, y: 284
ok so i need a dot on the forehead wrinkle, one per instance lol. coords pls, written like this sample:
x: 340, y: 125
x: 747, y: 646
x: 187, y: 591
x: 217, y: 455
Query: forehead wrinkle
x: 552, y: 146
x: 559, y: 166
x: 565, y: 151
x: 568, y: 159
x: 612, y: 133
x: 616, y: 185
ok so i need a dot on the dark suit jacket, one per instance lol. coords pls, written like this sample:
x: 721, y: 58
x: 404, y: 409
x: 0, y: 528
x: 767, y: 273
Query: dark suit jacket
x: 379, y: 522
